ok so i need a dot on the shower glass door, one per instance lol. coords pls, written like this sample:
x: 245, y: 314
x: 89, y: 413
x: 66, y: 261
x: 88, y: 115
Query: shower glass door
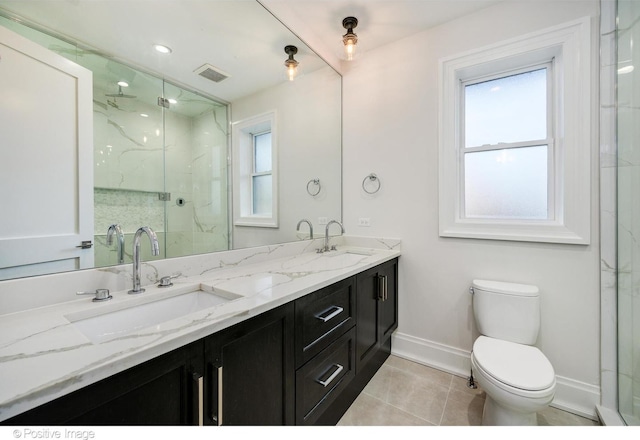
x: 129, y: 158
x: 628, y: 139
x: 196, y: 215
x: 160, y: 161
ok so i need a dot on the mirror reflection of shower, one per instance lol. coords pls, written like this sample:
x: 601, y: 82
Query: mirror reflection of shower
x: 150, y: 153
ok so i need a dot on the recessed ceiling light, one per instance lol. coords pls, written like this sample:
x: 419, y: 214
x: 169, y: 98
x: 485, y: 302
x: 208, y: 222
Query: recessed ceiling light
x: 161, y: 48
x: 172, y: 101
x: 144, y: 115
x: 123, y: 84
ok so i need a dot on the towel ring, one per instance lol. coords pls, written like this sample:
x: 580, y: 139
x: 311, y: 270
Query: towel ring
x: 315, y: 182
x: 373, y: 178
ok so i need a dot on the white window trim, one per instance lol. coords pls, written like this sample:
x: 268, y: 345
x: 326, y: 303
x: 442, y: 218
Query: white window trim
x: 570, y: 45
x: 242, y: 143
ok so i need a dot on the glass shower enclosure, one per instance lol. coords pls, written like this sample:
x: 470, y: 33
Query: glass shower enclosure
x: 160, y: 160
x: 628, y: 209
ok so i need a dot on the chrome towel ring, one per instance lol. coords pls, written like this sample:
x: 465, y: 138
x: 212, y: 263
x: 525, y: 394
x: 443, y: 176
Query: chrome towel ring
x: 372, y: 178
x: 315, y: 182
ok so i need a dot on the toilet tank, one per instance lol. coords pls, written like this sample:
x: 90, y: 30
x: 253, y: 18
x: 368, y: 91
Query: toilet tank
x: 507, y: 311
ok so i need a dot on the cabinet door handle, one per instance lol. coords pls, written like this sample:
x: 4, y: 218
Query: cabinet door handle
x: 386, y: 287
x: 324, y: 317
x: 383, y: 293
x: 198, y: 381
x: 325, y: 383
x: 216, y: 415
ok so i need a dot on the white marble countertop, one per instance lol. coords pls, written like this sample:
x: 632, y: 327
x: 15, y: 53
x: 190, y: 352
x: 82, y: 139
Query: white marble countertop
x: 43, y: 355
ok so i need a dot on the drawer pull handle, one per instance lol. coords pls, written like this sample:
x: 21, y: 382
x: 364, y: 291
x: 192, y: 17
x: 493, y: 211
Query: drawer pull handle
x: 324, y: 383
x: 336, y: 311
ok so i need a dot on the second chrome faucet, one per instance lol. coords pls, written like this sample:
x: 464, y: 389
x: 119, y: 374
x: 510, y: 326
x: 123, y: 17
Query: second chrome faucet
x: 326, y: 235
x: 155, y: 250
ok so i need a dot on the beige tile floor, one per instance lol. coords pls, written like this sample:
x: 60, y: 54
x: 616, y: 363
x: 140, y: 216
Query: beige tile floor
x: 404, y: 393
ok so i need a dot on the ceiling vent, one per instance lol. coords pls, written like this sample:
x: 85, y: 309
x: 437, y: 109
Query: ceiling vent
x: 211, y: 73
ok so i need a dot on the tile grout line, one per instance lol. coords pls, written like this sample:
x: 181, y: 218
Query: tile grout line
x: 386, y: 403
x: 446, y: 401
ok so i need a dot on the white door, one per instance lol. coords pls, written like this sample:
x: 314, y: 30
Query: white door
x: 46, y: 165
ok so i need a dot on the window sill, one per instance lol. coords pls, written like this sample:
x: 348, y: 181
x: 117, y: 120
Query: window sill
x: 538, y: 232
x: 256, y: 222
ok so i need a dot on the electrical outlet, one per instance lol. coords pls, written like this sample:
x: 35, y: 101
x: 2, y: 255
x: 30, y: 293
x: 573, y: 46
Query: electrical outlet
x: 364, y: 221
x: 322, y: 220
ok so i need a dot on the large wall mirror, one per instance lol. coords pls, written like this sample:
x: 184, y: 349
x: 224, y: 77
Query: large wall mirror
x: 210, y: 145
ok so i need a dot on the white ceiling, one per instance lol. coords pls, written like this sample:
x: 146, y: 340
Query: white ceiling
x: 319, y: 22
x: 239, y: 37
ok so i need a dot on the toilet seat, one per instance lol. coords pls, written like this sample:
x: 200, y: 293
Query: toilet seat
x: 517, y: 366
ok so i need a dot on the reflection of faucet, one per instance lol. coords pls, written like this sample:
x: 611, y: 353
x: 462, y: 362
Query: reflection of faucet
x: 326, y: 233
x: 155, y: 250
x: 118, y: 231
x: 304, y: 220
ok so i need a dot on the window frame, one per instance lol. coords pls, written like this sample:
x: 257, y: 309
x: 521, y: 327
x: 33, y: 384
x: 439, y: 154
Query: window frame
x: 568, y: 47
x: 243, y: 150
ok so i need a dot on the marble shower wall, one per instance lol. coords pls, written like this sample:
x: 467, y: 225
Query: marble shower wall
x: 628, y: 210
x: 137, y: 158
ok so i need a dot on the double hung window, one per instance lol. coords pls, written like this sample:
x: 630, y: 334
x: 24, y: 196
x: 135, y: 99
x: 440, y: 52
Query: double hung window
x: 508, y: 152
x: 516, y: 140
x: 255, y: 173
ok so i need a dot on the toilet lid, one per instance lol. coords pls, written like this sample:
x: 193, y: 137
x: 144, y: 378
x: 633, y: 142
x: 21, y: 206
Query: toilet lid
x: 517, y: 365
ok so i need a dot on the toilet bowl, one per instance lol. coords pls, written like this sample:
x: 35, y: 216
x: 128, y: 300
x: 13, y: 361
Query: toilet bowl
x: 518, y: 380
x: 517, y: 377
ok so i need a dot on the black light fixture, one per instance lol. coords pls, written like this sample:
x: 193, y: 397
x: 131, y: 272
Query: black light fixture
x: 290, y: 63
x: 350, y: 39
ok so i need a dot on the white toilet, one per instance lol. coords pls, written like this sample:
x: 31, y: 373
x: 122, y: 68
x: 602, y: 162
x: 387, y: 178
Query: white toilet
x: 518, y: 379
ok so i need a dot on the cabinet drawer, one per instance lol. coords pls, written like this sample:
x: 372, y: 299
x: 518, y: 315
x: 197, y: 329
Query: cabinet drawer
x: 321, y: 318
x: 320, y: 381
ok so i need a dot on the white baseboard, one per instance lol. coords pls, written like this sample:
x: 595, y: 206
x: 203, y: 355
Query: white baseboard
x: 572, y: 396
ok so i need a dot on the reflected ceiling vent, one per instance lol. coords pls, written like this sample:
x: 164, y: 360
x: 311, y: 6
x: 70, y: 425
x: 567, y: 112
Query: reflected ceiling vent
x: 211, y: 73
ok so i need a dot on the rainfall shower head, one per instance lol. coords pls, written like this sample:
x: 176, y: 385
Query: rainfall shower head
x: 119, y: 94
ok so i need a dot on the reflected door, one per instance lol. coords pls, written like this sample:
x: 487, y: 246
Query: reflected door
x: 46, y: 173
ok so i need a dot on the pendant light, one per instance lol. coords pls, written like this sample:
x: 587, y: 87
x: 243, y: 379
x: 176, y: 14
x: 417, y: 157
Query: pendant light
x: 350, y: 39
x: 290, y: 63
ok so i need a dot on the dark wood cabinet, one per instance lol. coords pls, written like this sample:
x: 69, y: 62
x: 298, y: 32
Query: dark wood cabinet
x: 162, y: 391
x: 250, y: 371
x: 302, y: 363
x: 377, y: 310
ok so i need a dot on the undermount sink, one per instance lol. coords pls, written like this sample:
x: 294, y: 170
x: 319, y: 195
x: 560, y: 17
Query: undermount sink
x: 110, y: 323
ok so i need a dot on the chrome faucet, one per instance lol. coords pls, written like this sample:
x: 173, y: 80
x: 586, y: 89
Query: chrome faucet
x: 117, y: 230
x: 155, y: 250
x: 304, y: 220
x: 326, y: 234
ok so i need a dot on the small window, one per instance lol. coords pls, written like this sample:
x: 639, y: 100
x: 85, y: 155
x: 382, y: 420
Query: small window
x: 254, y: 171
x: 262, y: 174
x: 515, y: 139
x: 508, y: 148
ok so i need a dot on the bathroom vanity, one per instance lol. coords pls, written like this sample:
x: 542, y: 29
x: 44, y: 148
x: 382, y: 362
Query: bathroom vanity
x: 292, y: 341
